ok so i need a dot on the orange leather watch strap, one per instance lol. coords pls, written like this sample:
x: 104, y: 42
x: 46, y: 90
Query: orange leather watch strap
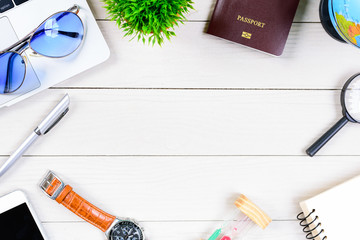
x: 80, y: 206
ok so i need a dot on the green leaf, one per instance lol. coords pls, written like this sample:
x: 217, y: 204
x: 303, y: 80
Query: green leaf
x: 148, y: 19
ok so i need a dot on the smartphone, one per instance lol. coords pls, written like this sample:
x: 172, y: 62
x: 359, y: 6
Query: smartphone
x: 17, y: 218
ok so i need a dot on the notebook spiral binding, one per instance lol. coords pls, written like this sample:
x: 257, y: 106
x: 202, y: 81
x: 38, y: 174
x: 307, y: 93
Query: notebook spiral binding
x: 306, y: 225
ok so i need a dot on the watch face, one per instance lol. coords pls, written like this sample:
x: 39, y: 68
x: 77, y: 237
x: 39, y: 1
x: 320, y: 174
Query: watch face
x: 126, y: 230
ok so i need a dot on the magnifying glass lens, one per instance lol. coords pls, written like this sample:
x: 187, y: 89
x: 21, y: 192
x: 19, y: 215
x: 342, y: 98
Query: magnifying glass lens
x: 352, y: 99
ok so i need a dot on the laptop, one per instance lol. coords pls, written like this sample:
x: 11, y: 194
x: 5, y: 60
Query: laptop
x: 19, y: 17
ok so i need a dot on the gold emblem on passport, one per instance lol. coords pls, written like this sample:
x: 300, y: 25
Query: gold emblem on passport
x: 246, y: 35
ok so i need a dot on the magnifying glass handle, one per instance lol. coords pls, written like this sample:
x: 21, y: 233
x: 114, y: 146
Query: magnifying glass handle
x: 311, y: 151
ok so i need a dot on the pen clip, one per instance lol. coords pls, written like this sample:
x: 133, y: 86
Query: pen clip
x: 54, y: 117
x: 57, y: 121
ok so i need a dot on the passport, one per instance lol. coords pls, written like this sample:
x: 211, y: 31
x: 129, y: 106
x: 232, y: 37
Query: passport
x: 260, y: 24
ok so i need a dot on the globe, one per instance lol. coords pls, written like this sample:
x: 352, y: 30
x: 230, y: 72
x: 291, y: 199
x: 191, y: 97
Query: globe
x: 345, y: 17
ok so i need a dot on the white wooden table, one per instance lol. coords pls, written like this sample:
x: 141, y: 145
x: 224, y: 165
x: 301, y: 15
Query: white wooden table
x: 172, y: 135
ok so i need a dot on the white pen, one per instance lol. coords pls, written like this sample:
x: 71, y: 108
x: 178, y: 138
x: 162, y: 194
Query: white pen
x: 44, y: 127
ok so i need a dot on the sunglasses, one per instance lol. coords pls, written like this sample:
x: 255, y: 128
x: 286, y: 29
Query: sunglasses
x: 58, y: 36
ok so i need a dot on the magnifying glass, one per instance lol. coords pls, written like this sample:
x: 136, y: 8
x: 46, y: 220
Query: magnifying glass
x: 350, y: 102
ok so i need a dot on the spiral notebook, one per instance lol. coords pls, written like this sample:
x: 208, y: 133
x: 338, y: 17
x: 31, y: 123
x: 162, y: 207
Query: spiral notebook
x: 333, y: 214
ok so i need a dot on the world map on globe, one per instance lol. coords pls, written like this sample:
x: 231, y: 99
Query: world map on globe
x: 346, y: 19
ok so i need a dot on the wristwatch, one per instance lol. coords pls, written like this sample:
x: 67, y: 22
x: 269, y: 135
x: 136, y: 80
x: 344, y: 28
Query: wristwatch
x: 113, y: 227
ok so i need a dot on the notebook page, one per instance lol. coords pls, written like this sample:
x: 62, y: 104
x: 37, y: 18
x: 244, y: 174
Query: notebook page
x: 338, y: 210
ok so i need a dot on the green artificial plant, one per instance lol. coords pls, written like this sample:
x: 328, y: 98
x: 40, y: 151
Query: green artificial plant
x: 148, y: 19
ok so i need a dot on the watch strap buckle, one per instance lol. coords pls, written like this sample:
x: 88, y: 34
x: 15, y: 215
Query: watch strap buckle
x: 51, y: 185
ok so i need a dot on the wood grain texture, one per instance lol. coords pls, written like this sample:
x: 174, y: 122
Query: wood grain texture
x: 283, y: 230
x: 199, y: 118
x: 194, y: 59
x: 205, y: 188
x: 180, y: 122
x: 307, y: 11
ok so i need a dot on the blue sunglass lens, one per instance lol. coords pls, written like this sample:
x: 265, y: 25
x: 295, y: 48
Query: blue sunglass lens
x: 12, y: 72
x: 58, y: 36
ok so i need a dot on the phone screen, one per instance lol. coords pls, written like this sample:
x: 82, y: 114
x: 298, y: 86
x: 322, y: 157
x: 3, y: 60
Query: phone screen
x: 18, y: 224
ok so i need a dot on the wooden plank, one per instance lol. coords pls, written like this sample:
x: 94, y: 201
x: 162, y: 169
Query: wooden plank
x: 171, y: 230
x: 181, y: 122
x: 194, y: 59
x: 308, y: 11
x: 180, y: 188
